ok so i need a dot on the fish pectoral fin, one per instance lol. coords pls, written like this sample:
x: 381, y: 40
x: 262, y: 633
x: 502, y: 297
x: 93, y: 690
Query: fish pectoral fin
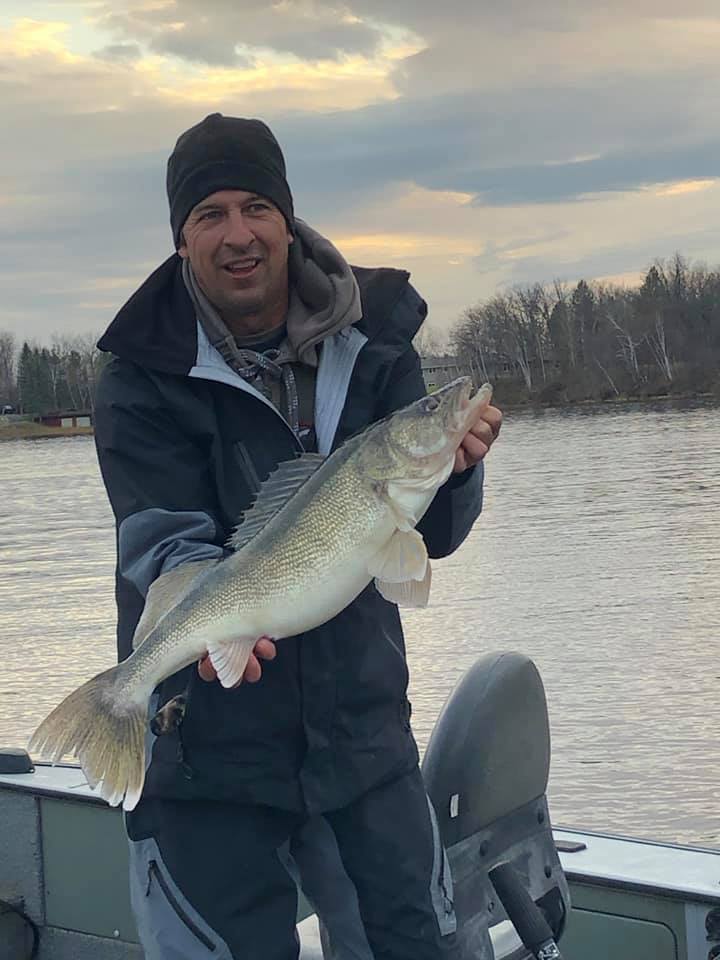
x: 404, y: 557
x: 402, y: 570
x: 230, y: 657
x: 409, y: 593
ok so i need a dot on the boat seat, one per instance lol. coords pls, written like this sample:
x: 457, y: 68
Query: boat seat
x: 486, y: 771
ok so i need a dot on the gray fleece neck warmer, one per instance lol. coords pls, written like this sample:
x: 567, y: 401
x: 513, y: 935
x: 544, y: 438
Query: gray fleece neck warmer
x: 324, y: 295
x: 324, y: 298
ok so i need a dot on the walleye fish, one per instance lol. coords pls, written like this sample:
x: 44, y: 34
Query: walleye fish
x: 319, y: 531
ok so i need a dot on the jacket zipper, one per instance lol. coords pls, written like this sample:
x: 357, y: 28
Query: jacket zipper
x: 247, y: 467
x: 154, y: 871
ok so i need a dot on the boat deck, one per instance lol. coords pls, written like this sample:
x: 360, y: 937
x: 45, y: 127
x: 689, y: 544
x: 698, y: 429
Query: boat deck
x: 63, y: 856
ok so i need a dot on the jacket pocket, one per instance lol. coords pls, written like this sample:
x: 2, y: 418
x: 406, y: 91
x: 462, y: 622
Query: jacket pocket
x: 158, y: 886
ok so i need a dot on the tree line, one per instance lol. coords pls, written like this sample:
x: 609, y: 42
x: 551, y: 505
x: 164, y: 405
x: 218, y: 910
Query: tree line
x: 548, y: 343
x: 595, y: 340
x: 36, y: 379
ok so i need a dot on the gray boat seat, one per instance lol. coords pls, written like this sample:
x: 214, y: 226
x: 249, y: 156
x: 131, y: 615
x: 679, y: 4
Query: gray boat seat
x: 486, y: 771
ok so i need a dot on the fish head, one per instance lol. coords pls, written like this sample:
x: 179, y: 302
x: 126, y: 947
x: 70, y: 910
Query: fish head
x: 421, y: 439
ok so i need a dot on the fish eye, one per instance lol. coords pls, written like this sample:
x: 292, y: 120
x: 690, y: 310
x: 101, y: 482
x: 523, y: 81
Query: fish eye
x: 431, y: 404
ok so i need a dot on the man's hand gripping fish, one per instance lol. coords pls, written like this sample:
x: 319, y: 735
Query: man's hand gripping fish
x: 319, y: 531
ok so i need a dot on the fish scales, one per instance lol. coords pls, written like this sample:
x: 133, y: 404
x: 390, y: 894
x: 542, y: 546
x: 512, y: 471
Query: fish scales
x: 269, y: 586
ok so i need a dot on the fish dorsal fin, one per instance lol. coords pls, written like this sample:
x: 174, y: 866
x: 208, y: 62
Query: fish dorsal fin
x: 164, y: 593
x: 274, y: 493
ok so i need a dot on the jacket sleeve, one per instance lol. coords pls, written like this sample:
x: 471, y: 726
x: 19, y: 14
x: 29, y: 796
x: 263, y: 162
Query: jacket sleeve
x: 156, y: 477
x: 457, y: 504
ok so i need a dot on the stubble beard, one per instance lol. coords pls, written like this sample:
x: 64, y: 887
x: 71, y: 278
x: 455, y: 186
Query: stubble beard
x: 251, y: 313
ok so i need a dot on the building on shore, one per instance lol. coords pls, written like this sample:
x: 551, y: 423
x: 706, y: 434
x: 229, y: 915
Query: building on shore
x: 437, y: 371
x: 65, y: 418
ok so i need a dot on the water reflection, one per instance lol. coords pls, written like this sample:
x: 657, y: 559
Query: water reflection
x: 596, y: 556
x: 56, y: 577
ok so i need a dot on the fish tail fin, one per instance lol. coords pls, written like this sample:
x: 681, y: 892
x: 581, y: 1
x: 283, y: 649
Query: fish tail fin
x: 103, y: 723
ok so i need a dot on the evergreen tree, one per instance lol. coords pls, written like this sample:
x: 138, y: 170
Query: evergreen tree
x: 583, y: 321
x: 559, y: 330
x: 27, y: 394
x: 44, y: 380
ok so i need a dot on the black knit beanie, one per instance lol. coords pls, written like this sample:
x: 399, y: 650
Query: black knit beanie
x: 225, y: 153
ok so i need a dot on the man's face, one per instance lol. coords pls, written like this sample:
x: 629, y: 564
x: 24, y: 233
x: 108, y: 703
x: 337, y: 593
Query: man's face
x: 237, y: 243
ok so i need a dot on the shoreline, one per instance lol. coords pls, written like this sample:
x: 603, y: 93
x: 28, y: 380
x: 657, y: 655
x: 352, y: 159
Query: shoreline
x: 530, y: 404
x: 26, y: 430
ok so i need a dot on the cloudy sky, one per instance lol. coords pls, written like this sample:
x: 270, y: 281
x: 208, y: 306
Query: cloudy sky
x: 477, y: 143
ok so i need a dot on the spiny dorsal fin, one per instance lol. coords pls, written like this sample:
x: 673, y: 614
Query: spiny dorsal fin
x: 274, y: 493
x: 164, y: 593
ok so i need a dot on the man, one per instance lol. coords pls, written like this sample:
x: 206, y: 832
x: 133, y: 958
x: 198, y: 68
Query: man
x: 255, y: 342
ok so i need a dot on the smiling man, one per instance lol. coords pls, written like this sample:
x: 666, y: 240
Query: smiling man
x: 254, y: 343
x: 237, y: 243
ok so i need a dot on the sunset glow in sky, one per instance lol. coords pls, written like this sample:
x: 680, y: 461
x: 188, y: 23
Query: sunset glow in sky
x: 476, y: 143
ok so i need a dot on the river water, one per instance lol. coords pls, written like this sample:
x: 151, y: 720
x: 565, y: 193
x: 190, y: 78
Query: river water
x: 597, y: 555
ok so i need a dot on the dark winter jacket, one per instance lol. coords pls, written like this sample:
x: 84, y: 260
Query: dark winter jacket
x: 183, y: 444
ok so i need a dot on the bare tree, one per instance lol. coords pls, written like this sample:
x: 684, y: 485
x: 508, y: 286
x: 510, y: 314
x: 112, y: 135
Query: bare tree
x: 534, y: 307
x: 468, y: 340
x: 79, y: 363
x: 657, y: 341
x: 429, y: 342
x: 516, y: 334
x: 619, y: 314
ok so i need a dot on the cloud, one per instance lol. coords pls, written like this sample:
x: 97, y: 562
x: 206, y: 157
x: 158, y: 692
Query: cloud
x: 33, y: 36
x: 684, y: 187
x: 122, y: 52
x: 215, y: 31
x: 477, y: 144
x: 447, y: 144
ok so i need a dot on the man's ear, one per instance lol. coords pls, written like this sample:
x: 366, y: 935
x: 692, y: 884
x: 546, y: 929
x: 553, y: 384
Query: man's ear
x: 182, y: 248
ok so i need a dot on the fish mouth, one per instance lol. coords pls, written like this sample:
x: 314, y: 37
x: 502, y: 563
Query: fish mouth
x: 465, y: 391
x: 458, y: 394
x: 464, y: 400
x: 454, y: 406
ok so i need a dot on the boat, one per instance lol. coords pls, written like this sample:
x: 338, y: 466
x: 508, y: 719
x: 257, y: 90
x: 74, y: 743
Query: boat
x: 520, y: 889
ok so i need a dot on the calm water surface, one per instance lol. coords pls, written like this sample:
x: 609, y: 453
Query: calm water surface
x: 597, y: 555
